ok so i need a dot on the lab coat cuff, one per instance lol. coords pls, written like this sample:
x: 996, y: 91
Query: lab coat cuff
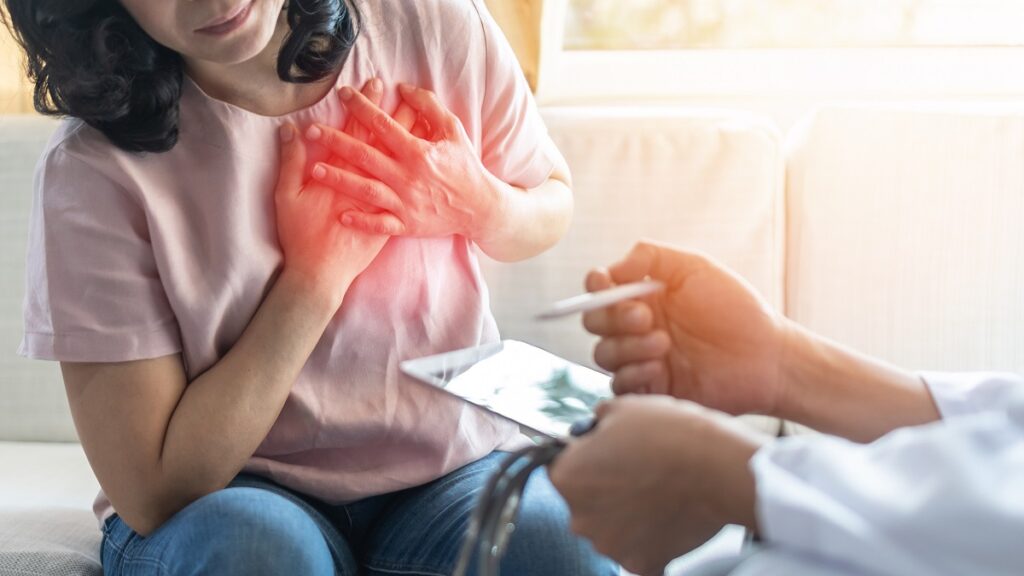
x: 778, y: 520
x: 965, y: 393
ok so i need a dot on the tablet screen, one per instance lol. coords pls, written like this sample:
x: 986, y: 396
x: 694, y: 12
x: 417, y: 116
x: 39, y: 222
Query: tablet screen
x: 530, y: 386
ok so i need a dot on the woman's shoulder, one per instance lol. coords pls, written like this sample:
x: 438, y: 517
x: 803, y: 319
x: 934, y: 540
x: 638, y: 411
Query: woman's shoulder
x: 78, y: 153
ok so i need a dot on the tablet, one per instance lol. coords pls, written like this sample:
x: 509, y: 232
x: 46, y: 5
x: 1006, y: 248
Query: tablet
x: 532, y: 387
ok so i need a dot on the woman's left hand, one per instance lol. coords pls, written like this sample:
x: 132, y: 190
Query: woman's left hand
x: 430, y: 186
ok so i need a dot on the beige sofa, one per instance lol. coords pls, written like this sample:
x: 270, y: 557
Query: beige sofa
x: 894, y: 229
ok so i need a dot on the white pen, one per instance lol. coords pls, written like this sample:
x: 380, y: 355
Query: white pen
x: 600, y: 299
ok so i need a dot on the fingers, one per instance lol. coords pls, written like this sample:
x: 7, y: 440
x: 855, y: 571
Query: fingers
x: 614, y: 353
x: 383, y: 224
x: 633, y: 317
x: 405, y: 116
x: 360, y: 188
x: 605, y: 408
x: 641, y: 378
x: 358, y: 154
x: 374, y: 92
x: 659, y: 261
x: 388, y: 132
x: 293, y: 162
x: 598, y: 280
x: 426, y: 103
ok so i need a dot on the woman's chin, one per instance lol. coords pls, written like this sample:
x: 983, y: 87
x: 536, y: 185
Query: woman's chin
x: 240, y: 45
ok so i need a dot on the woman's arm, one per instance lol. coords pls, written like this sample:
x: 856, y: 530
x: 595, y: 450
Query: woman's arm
x: 528, y: 222
x: 157, y: 442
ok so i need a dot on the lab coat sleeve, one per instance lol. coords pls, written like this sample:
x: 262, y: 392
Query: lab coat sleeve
x: 963, y: 393
x: 942, y: 499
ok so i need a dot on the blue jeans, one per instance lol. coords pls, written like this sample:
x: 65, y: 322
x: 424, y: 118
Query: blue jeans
x: 255, y: 527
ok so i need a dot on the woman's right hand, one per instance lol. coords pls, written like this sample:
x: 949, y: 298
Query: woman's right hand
x: 708, y: 337
x: 324, y: 254
x: 318, y: 249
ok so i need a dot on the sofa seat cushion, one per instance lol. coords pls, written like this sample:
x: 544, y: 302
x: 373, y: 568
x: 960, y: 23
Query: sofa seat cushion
x: 46, y: 475
x: 49, y: 542
x: 46, y: 520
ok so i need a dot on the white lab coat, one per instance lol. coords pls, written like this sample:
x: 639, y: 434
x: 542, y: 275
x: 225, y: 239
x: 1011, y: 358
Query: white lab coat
x: 941, y: 499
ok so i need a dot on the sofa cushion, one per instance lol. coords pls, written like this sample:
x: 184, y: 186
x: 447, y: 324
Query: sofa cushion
x: 49, y: 542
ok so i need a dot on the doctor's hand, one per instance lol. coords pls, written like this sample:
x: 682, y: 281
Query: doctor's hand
x: 708, y: 337
x: 656, y: 478
x: 427, y: 182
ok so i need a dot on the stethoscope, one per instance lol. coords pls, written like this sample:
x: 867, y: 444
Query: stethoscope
x: 493, y: 521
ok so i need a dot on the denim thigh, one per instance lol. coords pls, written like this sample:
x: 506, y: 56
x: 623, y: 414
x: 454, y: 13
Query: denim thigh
x: 253, y: 527
x: 420, y: 530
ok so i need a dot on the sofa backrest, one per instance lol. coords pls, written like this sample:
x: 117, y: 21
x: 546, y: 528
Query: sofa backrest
x: 32, y: 401
x: 906, y: 233
x: 708, y: 180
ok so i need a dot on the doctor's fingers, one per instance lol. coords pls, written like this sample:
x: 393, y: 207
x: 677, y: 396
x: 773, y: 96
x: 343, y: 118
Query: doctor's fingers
x: 614, y: 353
x: 632, y: 317
x: 598, y: 279
x: 650, y: 377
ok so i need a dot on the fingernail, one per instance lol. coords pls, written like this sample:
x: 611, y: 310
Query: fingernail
x: 345, y: 94
x: 319, y: 172
x: 377, y: 85
x: 405, y: 88
x: 314, y: 133
x: 287, y: 133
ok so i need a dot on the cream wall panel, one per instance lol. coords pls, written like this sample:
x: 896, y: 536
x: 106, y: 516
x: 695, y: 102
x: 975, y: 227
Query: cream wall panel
x: 905, y: 237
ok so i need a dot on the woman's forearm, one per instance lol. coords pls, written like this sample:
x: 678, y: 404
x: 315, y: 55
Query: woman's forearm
x: 528, y: 222
x: 225, y: 414
x: 838, y: 391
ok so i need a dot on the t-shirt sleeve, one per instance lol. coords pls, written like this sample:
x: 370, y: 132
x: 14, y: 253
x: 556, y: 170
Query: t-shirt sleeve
x: 516, y: 146
x: 93, y: 291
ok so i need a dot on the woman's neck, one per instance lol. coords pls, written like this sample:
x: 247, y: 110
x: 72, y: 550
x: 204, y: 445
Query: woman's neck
x: 254, y: 84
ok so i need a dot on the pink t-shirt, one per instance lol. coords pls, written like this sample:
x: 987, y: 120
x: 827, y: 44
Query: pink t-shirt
x: 142, y: 256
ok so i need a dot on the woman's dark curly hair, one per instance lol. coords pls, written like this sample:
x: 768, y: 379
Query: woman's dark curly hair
x: 90, y: 60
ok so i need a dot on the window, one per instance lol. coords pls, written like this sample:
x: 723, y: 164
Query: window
x: 683, y: 24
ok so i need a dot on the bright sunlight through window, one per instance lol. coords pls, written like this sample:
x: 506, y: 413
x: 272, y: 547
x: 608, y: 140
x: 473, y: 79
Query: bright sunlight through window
x: 682, y: 24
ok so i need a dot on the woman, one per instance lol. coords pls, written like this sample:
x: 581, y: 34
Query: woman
x: 230, y: 346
